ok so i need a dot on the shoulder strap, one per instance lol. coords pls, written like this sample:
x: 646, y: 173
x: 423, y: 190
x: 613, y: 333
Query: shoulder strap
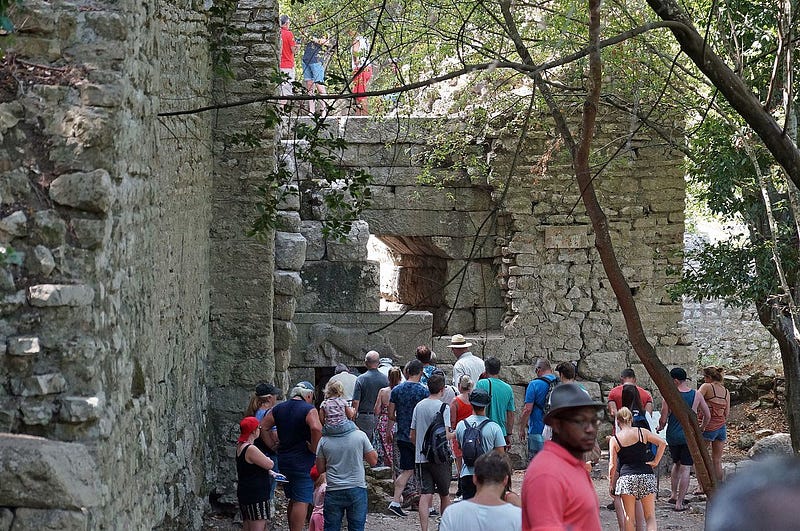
x: 484, y: 423
x: 618, y: 443
x: 441, y: 409
x: 641, y: 437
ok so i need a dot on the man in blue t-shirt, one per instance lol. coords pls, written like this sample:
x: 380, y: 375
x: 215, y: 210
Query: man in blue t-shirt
x: 402, y: 401
x: 535, y: 398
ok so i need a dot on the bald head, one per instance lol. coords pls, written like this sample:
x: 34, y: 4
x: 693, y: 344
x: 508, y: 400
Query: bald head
x: 372, y: 359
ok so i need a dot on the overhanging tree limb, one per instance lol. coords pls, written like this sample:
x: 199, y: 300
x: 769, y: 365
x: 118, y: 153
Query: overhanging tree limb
x: 732, y: 87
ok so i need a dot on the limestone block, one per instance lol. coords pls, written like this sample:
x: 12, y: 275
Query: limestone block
x: 37, y: 413
x: 287, y: 283
x: 91, y: 191
x: 489, y: 318
x: 41, y: 261
x: 566, y: 237
x: 603, y: 365
x: 285, y: 334
x: 40, y: 473
x: 23, y: 346
x: 282, y: 359
x: 779, y: 444
x: 15, y: 224
x: 48, y: 295
x: 10, y: 114
x: 91, y: 233
x: 7, y: 280
x: 284, y: 307
x: 290, y: 250
x: 315, y: 241
x: 75, y: 409
x: 290, y: 200
x: 288, y: 221
x: 340, y: 286
x: 50, y: 519
x: 6, y: 517
x: 459, y: 319
x: 39, y: 384
x: 12, y: 302
x: 354, y: 246
x: 49, y: 229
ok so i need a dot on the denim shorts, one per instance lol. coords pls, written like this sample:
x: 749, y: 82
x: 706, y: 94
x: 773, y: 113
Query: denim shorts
x: 314, y: 72
x: 299, y: 487
x: 535, y: 445
x: 720, y: 434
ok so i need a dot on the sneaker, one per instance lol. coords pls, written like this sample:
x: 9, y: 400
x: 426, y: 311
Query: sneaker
x: 611, y: 507
x: 396, y: 510
x: 433, y: 512
x: 280, y: 478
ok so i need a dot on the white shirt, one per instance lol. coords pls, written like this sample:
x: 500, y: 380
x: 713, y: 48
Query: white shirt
x: 471, y: 516
x: 348, y: 382
x: 468, y: 364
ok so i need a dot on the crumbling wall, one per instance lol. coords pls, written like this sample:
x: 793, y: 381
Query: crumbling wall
x: 533, y: 284
x: 105, y: 316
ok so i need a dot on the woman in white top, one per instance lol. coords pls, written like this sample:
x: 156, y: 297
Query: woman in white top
x: 486, y: 511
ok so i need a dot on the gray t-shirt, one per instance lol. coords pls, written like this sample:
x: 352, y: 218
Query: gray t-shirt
x: 366, y: 389
x: 344, y: 459
x: 491, y: 436
x: 424, y: 413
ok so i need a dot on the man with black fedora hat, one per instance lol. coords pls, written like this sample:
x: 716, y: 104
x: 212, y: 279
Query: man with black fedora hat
x: 466, y: 361
x: 557, y: 492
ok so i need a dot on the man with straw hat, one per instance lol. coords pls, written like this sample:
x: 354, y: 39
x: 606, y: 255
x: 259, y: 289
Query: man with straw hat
x: 466, y: 362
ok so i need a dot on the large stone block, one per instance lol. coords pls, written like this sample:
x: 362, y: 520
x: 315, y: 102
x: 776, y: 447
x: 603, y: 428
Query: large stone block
x: 288, y: 283
x: 39, y: 384
x: 339, y: 286
x: 23, y: 346
x: 353, y: 247
x: 290, y: 250
x: 15, y: 224
x: 91, y: 191
x: 48, y: 295
x: 315, y: 241
x: 325, y: 339
x: 43, y: 474
x: 603, y: 366
x: 285, y: 334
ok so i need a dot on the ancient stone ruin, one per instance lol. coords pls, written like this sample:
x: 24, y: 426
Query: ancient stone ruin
x: 137, y: 315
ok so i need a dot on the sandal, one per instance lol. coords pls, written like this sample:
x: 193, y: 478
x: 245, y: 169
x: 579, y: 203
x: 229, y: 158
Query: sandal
x: 681, y: 509
x: 672, y: 501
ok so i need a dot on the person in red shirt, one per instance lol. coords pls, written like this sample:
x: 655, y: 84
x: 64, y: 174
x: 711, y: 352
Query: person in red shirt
x: 288, y: 49
x: 627, y: 376
x: 557, y: 492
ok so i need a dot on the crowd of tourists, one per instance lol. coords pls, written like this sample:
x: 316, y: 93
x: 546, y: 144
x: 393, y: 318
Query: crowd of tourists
x: 413, y: 422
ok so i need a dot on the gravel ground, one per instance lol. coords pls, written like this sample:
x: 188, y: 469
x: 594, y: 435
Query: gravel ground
x: 691, y: 520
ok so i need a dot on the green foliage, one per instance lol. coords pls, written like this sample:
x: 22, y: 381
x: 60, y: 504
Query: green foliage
x: 6, y: 23
x: 8, y: 256
x: 345, y: 190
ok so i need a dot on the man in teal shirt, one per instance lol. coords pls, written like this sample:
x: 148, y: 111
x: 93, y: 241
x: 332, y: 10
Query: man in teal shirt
x: 501, y: 408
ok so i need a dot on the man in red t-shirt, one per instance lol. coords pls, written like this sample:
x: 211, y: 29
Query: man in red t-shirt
x: 627, y: 376
x: 288, y: 49
x: 557, y: 492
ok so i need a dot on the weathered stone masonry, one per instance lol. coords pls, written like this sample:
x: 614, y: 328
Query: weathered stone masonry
x: 106, y: 326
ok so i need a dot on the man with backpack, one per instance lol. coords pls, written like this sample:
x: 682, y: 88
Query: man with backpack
x: 430, y: 431
x: 477, y: 435
x: 531, y: 420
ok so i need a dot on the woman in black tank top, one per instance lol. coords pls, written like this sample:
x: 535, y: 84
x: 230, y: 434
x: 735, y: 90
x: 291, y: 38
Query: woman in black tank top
x: 252, y: 470
x: 630, y: 469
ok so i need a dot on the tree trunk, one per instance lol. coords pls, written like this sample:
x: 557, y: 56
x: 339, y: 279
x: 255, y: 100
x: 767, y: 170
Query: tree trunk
x: 732, y: 87
x: 779, y: 324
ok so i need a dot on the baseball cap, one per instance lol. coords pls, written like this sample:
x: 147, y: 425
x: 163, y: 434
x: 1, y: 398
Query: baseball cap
x: 247, y: 426
x: 264, y: 389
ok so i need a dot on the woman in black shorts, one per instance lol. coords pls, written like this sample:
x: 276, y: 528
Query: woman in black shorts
x: 630, y: 468
x: 252, y: 469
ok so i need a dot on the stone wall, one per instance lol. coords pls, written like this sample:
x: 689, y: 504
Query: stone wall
x: 105, y: 340
x: 515, y: 267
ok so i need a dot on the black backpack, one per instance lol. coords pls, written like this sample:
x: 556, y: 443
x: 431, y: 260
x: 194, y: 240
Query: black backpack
x: 472, y: 442
x: 551, y: 384
x: 435, y: 446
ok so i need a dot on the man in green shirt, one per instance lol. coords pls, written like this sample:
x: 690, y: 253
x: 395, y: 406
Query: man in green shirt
x: 501, y: 408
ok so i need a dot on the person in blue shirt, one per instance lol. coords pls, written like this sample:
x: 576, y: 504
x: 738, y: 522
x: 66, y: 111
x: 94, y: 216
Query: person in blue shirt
x: 531, y: 421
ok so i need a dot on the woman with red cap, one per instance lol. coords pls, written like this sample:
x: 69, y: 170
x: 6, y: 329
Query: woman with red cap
x: 252, y: 469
